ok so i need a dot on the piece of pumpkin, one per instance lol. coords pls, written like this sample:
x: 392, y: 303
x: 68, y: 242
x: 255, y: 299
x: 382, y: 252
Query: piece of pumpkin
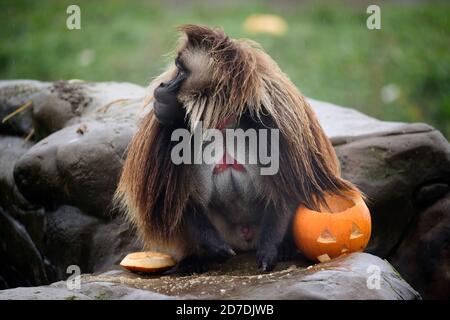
x: 343, y: 227
x: 148, y: 261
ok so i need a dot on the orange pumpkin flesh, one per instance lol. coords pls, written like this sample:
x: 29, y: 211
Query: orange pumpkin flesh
x: 148, y: 261
x: 343, y: 227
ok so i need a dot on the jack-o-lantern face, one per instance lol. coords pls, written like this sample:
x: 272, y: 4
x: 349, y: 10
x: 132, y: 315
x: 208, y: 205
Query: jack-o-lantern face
x: 342, y: 228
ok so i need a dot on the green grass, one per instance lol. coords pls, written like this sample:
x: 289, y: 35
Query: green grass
x: 328, y: 51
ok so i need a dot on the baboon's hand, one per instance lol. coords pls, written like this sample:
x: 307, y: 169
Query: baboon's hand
x: 168, y: 109
x: 266, y: 257
x: 218, y: 250
x: 188, y: 266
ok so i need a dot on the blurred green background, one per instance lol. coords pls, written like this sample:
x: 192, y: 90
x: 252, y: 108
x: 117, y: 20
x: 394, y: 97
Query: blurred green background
x: 401, y: 72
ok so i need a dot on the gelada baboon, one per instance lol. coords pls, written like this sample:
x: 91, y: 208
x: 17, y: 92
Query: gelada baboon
x: 198, y: 213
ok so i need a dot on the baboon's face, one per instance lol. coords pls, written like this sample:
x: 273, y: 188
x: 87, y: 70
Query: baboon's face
x: 197, y: 65
x: 190, y: 80
x: 210, y: 81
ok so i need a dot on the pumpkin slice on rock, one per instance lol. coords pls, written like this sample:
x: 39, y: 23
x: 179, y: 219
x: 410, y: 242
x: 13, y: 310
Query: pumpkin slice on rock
x: 148, y: 261
x: 343, y: 227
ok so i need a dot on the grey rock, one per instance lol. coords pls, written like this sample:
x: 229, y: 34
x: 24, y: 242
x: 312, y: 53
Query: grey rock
x: 26, y: 220
x: 404, y: 169
x: 351, y: 278
x: 41, y: 293
x: 50, y: 113
x: 13, y: 95
x: 343, y: 125
x: 85, y: 129
x: 390, y: 170
x: 111, y: 241
x: 88, y: 291
x: 12, y: 148
x: 74, y: 238
x: 423, y: 255
x: 62, y: 103
x: 67, y: 103
x: 430, y: 193
x: 343, y: 278
x: 12, y: 201
x: 78, y: 165
x: 69, y: 239
x: 22, y: 263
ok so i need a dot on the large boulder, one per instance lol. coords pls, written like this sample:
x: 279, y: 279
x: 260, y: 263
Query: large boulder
x: 394, y: 164
x: 22, y: 263
x: 423, y: 254
x: 77, y: 165
x: 84, y: 129
x: 404, y: 169
x: 62, y: 214
x: 75, y: 238
x: 60, y: 183
x: 15, y: 94
x: 354, y: 277
x: 22, y: 224
x: 11, y: 199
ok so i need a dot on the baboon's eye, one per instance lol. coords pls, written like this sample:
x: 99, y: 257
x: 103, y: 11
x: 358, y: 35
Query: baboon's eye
x: 180, y: 65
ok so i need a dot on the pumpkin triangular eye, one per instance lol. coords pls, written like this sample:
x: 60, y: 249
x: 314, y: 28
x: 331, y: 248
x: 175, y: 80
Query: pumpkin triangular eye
x: 356, y: 232
x: 326, y: 237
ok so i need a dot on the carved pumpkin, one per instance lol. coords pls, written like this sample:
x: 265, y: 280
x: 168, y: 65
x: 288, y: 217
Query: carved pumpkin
x: 342, y: 228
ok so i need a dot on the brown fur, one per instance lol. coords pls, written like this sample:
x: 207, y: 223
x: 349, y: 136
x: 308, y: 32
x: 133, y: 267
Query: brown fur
x: 243, y: 77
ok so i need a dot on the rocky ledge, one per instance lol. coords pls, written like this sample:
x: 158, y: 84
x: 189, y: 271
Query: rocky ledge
x: 61, y: 154
x: 352, y: 277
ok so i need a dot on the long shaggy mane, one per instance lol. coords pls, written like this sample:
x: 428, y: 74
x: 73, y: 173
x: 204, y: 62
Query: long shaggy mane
x: 154, y: 192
